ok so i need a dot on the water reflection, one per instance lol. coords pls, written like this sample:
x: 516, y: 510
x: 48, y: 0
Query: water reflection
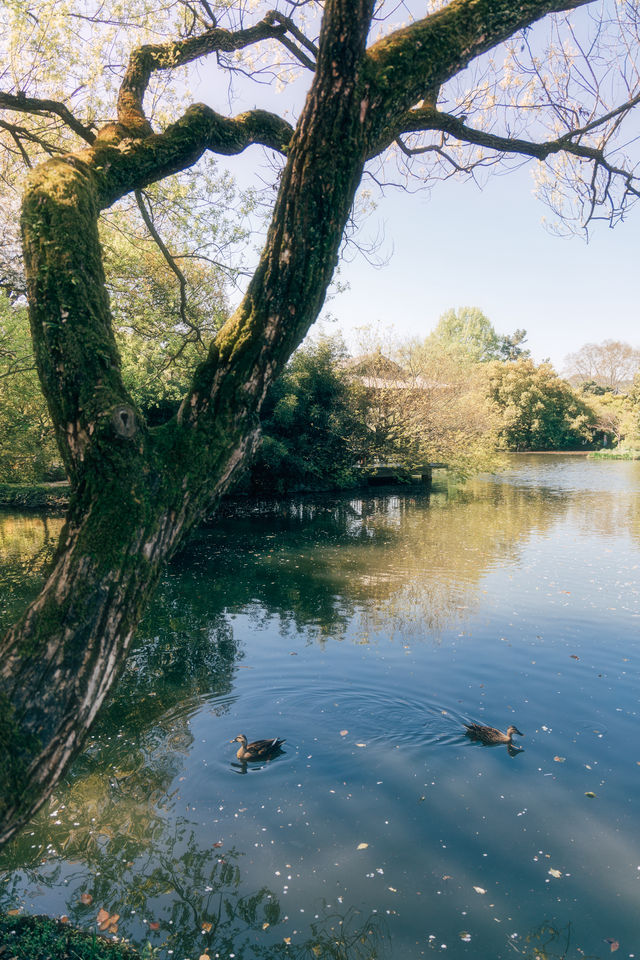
x: 27, y: 543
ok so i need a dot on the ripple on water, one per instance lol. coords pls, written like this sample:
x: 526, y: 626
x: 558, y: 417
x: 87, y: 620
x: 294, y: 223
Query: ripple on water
x: 366, y: 712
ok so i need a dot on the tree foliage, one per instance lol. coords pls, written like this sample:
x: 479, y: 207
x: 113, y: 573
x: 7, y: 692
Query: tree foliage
x: 467, y: 334
x: 537, y: 409
x: 313, y: 424
x: 27, y: 447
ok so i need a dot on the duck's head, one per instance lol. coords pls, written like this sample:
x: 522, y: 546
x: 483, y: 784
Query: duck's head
x: 239, y: 739
x: 511, y: 730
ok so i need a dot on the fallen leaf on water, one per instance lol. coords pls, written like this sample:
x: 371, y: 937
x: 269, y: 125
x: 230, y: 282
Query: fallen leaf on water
x: 590, y: 794
x: 287, y: 939
x: 154, y: 925
x: 362, y: 846
x: 264, y: 926
x: 479, y: 890
x: 559, y: 759
x: 218, y: 843
x: 206, y: 925
x: 86, y: 898
x: 64, y: 918
x: 612, y: 943
x: 107, y: 921
x: 360, y: 744
x: 573, y: 657
x: 343, y: 733
x: 554, y: 872
x: 393, y: 889
x: 465, y: 936
x: 204, y: 956
x: 14, y: 912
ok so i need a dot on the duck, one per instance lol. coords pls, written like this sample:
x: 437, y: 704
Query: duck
x: 258, y: 750
x: 490, y: 735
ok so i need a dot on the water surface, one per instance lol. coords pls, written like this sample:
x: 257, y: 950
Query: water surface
x: 366, y: 631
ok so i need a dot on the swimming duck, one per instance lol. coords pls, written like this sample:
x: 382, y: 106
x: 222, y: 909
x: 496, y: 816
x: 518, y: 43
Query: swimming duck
x: 258, y: 750
x: 490, y: 735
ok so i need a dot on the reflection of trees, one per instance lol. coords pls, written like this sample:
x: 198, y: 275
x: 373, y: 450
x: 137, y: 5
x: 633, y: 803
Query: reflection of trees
x: 185, y: 897
x: 403, y: 561
x: 27, y: 543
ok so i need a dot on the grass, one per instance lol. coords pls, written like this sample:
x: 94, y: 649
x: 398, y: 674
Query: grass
x: 615, y: 455
x: 43, y: 938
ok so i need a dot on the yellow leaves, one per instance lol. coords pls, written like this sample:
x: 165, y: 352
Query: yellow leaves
x: 343, y: 733
x: 206, y: 926
x: 555, y: 873
x: 479, y: 889
x: 362, y: 846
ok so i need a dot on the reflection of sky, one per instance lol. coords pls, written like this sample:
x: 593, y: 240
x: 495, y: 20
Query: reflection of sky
x: 378, y: 803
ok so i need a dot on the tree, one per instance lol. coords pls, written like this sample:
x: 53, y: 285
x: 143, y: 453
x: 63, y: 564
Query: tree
x: 138, y: 491
x: 312, y: 422
x: 468, y: 334
x: 610, y: 364
x: 539, y: 411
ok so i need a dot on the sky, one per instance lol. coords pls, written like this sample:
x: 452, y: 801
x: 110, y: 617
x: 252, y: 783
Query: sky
x: 462, y: 246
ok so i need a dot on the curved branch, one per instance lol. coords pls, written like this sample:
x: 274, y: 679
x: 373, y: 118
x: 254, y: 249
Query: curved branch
x: 180, y: 146
x: 429, y: 119
x: 165, y: 56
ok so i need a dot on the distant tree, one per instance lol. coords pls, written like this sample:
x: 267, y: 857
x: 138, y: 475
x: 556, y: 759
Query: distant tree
x: 538, y: 410
x: 612, y: 364
x: 469, y: 334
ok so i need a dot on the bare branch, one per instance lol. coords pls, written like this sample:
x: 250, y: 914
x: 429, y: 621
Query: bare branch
x: 164, y: 250
x: 23, y: 104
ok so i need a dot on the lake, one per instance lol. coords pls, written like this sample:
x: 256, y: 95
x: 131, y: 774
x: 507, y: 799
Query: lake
x: 366, y: 630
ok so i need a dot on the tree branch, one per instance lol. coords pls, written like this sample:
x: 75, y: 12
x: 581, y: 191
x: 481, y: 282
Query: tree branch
x: 164, y: 56
x: 429, y: 52
x: 429, y: 119
x: 23, y: 104
x: 173, y: 266
x: 180, y: 146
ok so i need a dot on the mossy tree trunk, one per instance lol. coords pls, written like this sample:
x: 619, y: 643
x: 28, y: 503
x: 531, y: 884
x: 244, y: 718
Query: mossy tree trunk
x: 138, y: 492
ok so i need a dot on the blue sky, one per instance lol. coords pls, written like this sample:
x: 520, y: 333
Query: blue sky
x: 462, y: 246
